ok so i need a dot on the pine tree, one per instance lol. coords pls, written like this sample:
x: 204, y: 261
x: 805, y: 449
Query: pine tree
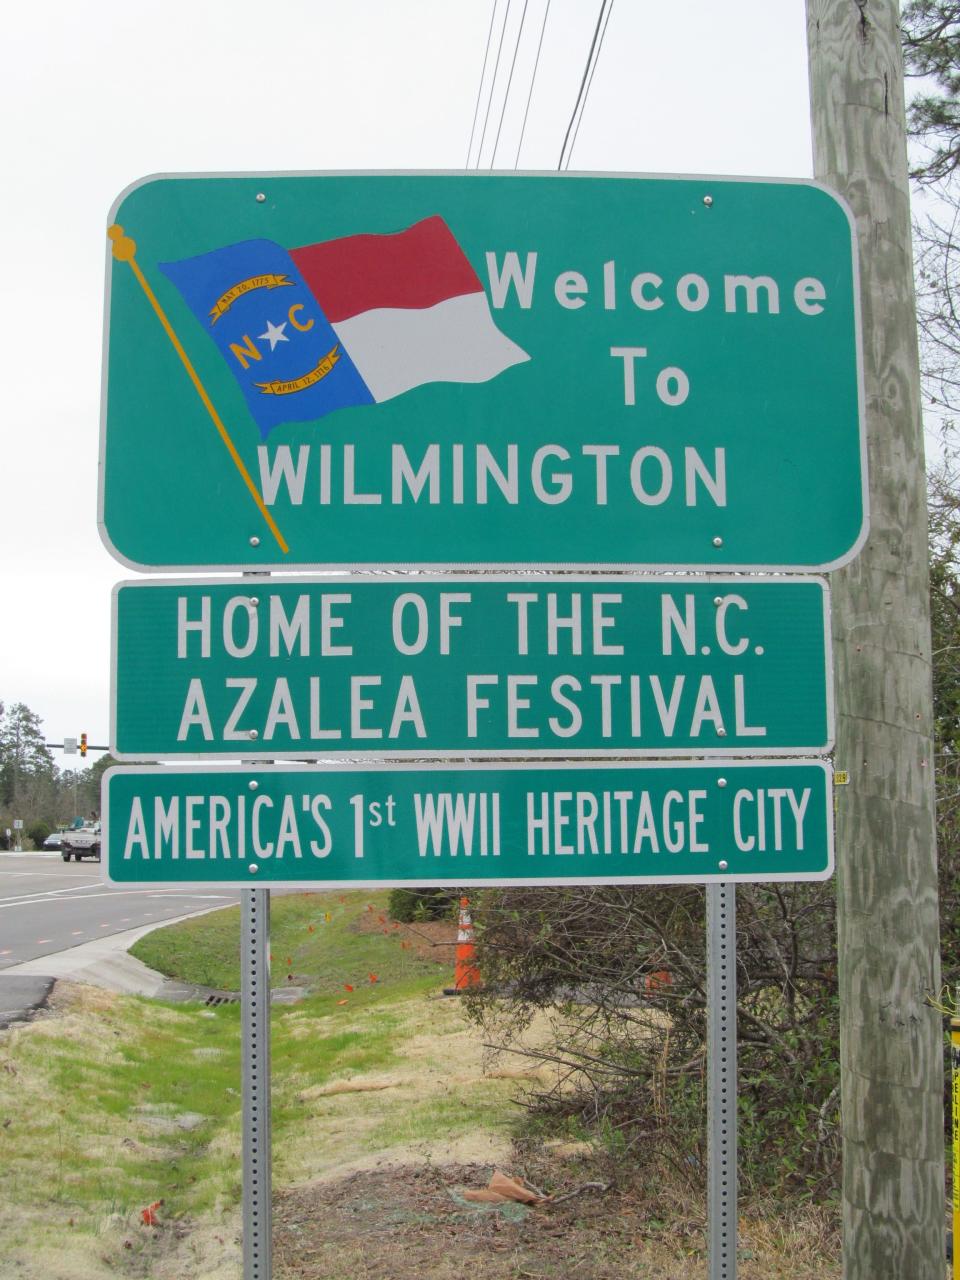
x: 931, y: 50
x: 25, y: 758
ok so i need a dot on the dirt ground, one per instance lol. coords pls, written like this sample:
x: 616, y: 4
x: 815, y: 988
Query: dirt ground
x: 413, y: 1223
x: 434, y: 940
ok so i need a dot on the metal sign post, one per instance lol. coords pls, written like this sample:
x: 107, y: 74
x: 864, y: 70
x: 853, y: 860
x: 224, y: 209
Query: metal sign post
x: 255, y: 1101
x: 722, y: 1081
x: 255, y: 1088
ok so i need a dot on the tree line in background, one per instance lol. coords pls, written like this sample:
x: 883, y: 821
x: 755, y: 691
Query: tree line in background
x: 931, y: 43
x: 32, y: 788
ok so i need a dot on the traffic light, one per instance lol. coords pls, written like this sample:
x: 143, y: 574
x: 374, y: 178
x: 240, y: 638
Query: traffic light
x: 83, y: 744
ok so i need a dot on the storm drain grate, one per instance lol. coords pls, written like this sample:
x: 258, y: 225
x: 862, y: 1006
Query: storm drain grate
x: 212, y: 998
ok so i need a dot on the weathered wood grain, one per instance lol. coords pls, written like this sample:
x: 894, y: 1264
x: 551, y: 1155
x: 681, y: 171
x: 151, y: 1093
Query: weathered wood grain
x: 891, y: 1056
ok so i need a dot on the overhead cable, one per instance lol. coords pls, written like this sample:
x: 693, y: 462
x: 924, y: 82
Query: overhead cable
x: 573, y: 140
x: 493, y: 84
x: 506, y: 96
x: 533, y: 80
x: 483, y: 72
x: 582, y: 93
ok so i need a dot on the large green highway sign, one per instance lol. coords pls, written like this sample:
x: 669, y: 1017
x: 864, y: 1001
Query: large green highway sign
x: 542, y: 665
x: 482, y: 824
x: 481, y: 371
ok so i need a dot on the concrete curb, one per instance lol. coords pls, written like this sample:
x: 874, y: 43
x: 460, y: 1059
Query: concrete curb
x: 104, y: 962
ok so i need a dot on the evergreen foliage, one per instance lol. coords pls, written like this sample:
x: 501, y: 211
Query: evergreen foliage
x: 931, y: 51
x: 32, y: 788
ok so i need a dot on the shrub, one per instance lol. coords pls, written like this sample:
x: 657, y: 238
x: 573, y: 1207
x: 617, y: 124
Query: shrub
x: 407, y: 905
x: 621, y: 973
x: 37, y: 832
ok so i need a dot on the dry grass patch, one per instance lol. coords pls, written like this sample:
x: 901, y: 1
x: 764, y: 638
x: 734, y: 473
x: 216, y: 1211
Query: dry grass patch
x: 412, y: 1223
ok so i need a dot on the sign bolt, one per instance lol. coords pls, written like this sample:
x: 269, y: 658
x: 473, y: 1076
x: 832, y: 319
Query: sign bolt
x: 253, y: 784
x: 717, y: 542
x: 253, y: 868
x: 722, y: 864
x: 721, y: 782
x: 707, y: 200
x: 721, y: 732
x: 254, y: 600
x: 254, y: 541
x: 718, y: 600
x: 260, y: 197
x: 253, y: 733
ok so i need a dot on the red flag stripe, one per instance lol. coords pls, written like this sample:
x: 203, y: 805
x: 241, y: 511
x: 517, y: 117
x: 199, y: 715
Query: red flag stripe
x: 412, y: 269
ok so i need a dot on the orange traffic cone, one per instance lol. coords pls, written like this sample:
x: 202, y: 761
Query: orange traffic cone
x: 465, y: 971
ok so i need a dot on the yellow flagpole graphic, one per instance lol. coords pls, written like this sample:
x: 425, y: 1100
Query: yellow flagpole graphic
x: 125, y: 250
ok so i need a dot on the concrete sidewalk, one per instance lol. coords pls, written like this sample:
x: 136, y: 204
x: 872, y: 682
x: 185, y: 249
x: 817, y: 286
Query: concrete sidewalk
x: 105, y: 962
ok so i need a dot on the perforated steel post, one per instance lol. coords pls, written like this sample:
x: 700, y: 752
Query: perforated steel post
x: 255, y: 1091
x: 722, y: 1081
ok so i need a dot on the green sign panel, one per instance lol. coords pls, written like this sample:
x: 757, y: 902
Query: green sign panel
x: 452, y: 825
x: 547, y: 665
x: 481, y: 370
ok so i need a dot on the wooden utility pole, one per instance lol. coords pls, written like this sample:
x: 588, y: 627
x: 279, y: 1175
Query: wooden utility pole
x: 891, y: 1045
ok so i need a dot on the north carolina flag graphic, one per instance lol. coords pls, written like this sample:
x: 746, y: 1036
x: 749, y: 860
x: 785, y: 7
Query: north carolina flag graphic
x: 352, y: 321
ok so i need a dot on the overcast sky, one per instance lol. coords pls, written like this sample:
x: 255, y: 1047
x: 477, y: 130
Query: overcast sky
x: 96, y: 96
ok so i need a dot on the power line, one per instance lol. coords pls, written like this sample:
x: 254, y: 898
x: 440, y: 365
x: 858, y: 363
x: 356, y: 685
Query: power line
x: 581, y: 94
x: 533, y: 81
x: 476, y: 109
x: 493, y: 84
x: 573, y: 141
x: 506, y: 96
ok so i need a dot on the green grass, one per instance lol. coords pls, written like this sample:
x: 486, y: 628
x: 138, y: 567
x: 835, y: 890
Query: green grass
x: 417, y: 1122
x: 118, y: 1102
x: 93, y: 1114
x: 312, y: 938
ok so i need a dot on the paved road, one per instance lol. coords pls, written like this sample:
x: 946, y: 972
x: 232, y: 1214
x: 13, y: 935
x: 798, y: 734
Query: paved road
x: 48, y: 905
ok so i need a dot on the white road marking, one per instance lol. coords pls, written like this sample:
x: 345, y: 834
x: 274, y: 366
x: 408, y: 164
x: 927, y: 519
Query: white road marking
x: 36, y: 875
x: 56, y: 895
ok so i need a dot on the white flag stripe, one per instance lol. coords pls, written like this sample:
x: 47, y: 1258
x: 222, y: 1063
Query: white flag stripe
x: 396, y: 349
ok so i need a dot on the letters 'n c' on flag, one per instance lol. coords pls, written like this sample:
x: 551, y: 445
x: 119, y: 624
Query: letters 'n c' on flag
x: 352, y: 321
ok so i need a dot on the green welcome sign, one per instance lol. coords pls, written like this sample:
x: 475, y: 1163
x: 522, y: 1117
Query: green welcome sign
x: 453, y: 825
x: 562, y: 665
x: 481, y: 370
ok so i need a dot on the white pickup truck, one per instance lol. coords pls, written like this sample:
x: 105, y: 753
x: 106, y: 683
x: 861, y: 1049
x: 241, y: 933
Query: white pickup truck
x: 81, y: 841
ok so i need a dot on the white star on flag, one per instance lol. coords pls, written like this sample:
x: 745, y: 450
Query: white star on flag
x: 274, y: 334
